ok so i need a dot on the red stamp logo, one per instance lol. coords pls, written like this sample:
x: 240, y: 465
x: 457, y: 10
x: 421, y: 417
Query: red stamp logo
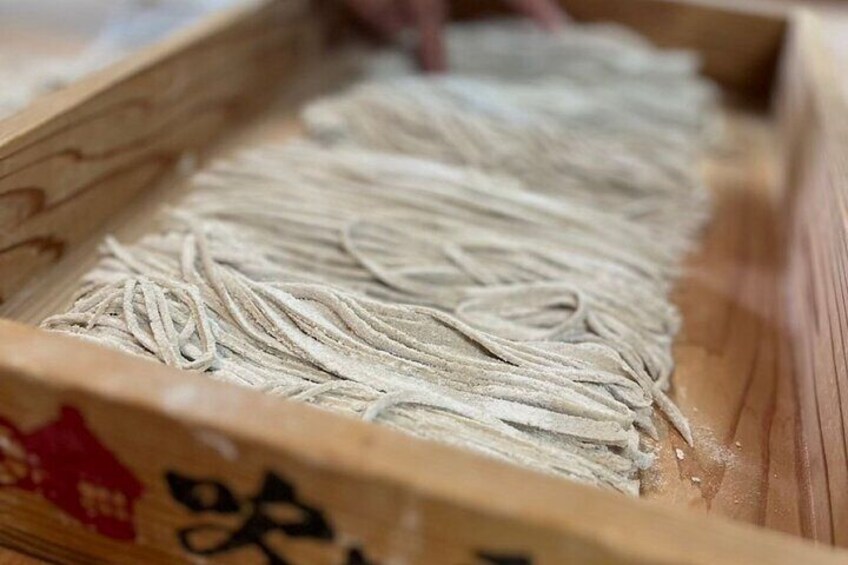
x: 66, y: 464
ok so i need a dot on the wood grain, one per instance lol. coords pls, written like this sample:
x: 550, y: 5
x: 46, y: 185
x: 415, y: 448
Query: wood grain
x: 75, y: 157
x: 733, y: 379
x: 9, y: 557
x: 814, y: 116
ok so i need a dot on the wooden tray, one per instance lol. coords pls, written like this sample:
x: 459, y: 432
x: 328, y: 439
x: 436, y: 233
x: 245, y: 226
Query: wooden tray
x: 761, y: 359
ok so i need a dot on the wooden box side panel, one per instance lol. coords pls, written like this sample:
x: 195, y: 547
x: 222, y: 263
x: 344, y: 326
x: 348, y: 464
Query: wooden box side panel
x: 109, y: 458
x: 77, y: 156
x: 814, y: 120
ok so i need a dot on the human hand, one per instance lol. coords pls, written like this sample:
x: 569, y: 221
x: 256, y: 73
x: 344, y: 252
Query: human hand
x: 389, y: 17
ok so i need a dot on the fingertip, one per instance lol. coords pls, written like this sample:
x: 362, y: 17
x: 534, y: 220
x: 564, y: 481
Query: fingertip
x: 431, y: 54
x: 430, y: 16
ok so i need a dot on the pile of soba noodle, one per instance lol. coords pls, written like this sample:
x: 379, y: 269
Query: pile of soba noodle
x: 481, y: 258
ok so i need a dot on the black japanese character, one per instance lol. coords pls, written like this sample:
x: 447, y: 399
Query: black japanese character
x: 209, y: 496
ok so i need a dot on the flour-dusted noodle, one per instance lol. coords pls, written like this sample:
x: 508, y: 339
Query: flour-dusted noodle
x: 483, y: 260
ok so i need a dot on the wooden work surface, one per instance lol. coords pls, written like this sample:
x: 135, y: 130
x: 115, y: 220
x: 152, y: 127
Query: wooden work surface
x: 733, y: 376
x: 728, y: 367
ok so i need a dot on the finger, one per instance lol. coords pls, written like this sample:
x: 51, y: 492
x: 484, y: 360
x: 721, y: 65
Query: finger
x: 429, y: 16
x: 546, y: 13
